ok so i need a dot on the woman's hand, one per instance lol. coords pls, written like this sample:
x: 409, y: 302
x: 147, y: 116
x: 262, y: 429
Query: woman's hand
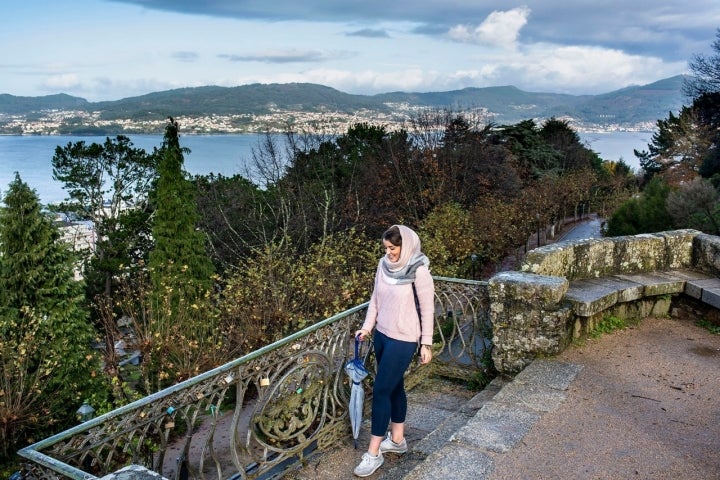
x: 362, y: 334
x: 425, y: 354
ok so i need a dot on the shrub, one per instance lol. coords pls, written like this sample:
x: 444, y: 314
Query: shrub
x: 277, y: 291
x: 449, y: 239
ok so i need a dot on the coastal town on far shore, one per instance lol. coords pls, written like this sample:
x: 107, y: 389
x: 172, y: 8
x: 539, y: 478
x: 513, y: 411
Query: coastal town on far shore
x: 80, y: 122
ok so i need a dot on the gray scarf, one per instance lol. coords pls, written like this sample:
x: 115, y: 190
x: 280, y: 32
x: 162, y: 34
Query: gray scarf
x: 411, y: 257
x: 407, y: 273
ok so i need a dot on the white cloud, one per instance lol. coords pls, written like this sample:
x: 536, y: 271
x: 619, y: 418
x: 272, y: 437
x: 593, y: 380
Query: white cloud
x: 591, y: 69
x: 576, y: 69
x: 63, y: 82
x: 287, y: 56
x: 542, y: 67
x: 500, y: 29
x: 104, y: 88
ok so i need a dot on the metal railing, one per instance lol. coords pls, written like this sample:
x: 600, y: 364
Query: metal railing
x: 256, y: 416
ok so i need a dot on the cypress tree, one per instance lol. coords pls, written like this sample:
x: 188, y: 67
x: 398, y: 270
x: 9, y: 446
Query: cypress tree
x: 178, y: 261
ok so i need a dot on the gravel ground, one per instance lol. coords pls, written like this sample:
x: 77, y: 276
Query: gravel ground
x: 645, y: 406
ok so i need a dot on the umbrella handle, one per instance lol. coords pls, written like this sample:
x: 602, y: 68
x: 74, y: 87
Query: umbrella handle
x: 357, y: 347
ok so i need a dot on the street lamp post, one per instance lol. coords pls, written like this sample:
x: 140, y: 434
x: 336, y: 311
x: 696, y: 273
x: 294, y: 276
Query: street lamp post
x: 85, y: 412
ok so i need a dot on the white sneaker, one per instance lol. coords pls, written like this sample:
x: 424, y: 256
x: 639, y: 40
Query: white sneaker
x: 369, y: 464
x: 387, y: 445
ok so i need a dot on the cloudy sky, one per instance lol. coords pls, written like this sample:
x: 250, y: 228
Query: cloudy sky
x: 112, y: 49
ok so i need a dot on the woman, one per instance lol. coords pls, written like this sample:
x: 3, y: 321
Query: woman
x: 398, y: 330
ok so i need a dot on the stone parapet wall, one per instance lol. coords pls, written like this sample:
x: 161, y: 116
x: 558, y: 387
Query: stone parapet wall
x: 593, y: 258
x: 563, y: 290
x: 706, y: 254
x: 528, y: 317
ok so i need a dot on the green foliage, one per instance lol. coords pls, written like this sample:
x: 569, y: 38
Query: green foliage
x: 178, y: 337
x: 325, y: 187
x: 47, y: 367
x: 473, y: 242
x: 707, y: 108
x: 616, y: 184
x: 696, y: 205
x: 233, y: 215
x: 320, y: 178
x: 443, y: 164
x: 108, y: 184
x: 333, y: 276
x: 471, y: 161
x: 574, y: 155
x: 277, y: 291
x: 257, y: 299
x: 449, y: 240
x: 674, y: 151
x: 709, y: 326
x: 533, y: 152
x: 682, y: 145
x: 174, y: 317
x: 608, y: 324
x: 486, y: 374
x: 180, y: 267
x: 645, y: 213
x: 624, y: 221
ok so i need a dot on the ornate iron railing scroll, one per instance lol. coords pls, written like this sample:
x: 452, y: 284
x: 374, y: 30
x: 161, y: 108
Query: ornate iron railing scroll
x: 260, y: 413
x: 463, y: 331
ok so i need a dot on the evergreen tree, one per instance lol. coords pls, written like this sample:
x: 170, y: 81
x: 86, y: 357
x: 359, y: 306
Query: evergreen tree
x: 696, y: 205
x: 559, y: 135
x: 47, y: 367
x: 704, y: 88
x: 534, y: 154
x: 179, y: 260
x: 109, y: 184
x: 646, y: 213
x: 677, y: 149
x: 708, y: 108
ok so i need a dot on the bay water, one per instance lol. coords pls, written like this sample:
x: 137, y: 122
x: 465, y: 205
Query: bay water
x: 31, y: 156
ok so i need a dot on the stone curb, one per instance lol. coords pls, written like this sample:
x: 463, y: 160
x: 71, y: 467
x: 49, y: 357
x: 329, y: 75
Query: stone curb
x: 501, y: 423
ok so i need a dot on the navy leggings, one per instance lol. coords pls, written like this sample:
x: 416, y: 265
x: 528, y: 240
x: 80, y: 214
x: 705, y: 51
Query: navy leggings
x: 389, y: 401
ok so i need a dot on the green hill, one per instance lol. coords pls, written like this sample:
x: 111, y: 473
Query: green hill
x: 13, y: 105
x: 247, y: 99
x: 630, y: 105
x: 506, y: 104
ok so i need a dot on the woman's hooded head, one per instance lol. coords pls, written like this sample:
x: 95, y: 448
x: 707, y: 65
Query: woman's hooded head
x: 411, y: 257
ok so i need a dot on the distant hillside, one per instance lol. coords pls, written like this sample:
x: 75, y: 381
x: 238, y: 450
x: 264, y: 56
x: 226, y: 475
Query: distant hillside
x: 254, y: 99
x: 506, y: 104
x: 631, y: 104
x: 25, y: 105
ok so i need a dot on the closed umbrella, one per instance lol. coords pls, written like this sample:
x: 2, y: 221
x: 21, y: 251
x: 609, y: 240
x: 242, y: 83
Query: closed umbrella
x: 357, y: 372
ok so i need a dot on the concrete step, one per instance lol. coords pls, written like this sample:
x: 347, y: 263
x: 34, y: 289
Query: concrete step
x: 434, y: 416
x: 499, y: 424
x: 437, y: 409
